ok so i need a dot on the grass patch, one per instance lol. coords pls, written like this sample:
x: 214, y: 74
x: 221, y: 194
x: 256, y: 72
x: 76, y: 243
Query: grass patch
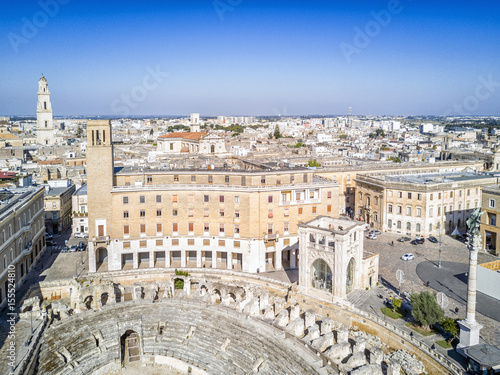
x: 444, y: 344
x: 396, y: 314
x: 422, y: 331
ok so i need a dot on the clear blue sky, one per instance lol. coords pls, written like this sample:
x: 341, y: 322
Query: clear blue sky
x: 259, y: 58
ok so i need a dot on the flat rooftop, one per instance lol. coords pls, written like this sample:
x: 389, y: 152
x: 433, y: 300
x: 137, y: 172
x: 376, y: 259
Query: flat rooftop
x: 435, y: 178
x: 13, y: 198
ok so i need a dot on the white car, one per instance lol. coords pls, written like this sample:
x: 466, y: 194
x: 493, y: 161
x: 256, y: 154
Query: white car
x: 408, y: 256
x: 81, y: 235
x: 371, y: 236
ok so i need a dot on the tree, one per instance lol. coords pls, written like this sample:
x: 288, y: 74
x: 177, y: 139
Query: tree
x: 451, y: 326
x: 425, y: 309
x: 396, y: 304
x: 79, y: 131
x: 277, y: 133
x: 313, y: 163
x: 395, y: 159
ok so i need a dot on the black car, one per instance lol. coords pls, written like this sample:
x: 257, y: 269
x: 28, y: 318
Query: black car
x: 417, y: 241
x: 81, y: 246
x: 433, y: 239
x: 404, y: 239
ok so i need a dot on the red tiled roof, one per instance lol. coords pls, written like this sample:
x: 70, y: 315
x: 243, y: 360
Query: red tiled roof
x: 7, y: 175
x: 185, y: 135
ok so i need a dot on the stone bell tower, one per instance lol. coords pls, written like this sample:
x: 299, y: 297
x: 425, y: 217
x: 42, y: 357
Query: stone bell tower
x: 100, y: 175
x: 44, y: 123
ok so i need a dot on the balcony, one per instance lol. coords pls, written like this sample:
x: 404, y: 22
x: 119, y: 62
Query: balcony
x: 100, y: 239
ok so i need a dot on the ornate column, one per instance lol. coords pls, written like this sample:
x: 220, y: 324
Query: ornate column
x: 469, y: 328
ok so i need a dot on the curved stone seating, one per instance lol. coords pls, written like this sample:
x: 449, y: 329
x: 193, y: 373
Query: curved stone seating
x: 71, y: 347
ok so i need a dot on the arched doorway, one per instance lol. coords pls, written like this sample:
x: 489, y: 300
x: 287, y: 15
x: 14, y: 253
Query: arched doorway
x: 101, y: 259
x: 350, y: 276
x: 130, y: 348
x: 321, y: 276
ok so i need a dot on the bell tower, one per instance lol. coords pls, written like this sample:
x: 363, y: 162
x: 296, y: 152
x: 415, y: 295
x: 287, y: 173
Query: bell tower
x: 44, y: 123
x: 100, y: 176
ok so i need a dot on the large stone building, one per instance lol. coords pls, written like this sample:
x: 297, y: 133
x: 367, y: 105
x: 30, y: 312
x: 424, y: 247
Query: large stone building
x: 490, y: 225
x: 22, y: 237
x: 58, y: 206
x: 80, y: 211
x: 419, y: 204
x: 332, y: 260
x: 229, y: 218
x: 192, y: 143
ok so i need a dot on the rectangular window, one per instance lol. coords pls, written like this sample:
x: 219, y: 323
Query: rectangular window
x: 439, y: 195
x: 300, y: 210
x: 191, y: 227
x: 236, y: 244
x: 221, y: 228
x: 142, y: 199
x: 311, y: 195
x: 190, y: 212
x: 206, y: 198
x: 222, y: 243
x: 409, y: 195
x: 191, y: 242
x: 493, y: 219
x: 400, y: 194
x: 158, y: 199
x: 269, y: 228
x: 329, y: 208
x: 149, y: 180
x: 468, y: 192
x: 126, y: 245
x: 460, y: 193
x: 221, y: 199
x: 329, y: 195
x: 210, y: 179
x: 286, y: 227
x: 171, y: 146
x: 431, y: 211
x: 297, y: 196
x: 175, y: 242
x: 159, y: 242
x: 236, y: 228
x: 419, y: 197
x: 263, y: 179
x: 270, y: 213
x: 125, y: 200
x: 175, y: 212
x: 389, y: 208
x: 419, y: 212
x: 314, y: 209
x: 431, y: 197
x: 206, y: 227
x: 451, y: 194
x: 193, y: 178
x: 125, y: 214
x: 174, y: 198
x: 158, y: 212
x: 492, y: 203
x: 159, y: 228
x: 206, y: 242
x: 143, y: 228
x: 190, y: 198
x: 176, y: 178
x: 236, y: 199
x: 226, y: 179
x: 236, y: 214
x: 408, y: 210
x: 126, y: 230
x: 206, y: 212
x: 175, y: 227
x: 304, y: 179
x: 439, y: 211
x: 286, y: 212
x: 269, y: 199
x: 142, y: 213
x: 221, y: 213
x: 243, y: 181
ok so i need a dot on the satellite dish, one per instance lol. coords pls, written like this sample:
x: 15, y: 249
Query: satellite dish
x: 442, y: 300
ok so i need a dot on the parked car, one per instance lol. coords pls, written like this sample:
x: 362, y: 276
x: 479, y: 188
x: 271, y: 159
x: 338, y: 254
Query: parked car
x: 64, y: 249
x: 371, y: 237
x: 81, y: 246
x: 418, y: 241
x: 433, y: 239
x: 408, y: 256
x: 51, y: 243
x: 376, y: 232
x: 81, y: 235
x: 48, y: 236
x: 404, y: 239
x: 72, y: 249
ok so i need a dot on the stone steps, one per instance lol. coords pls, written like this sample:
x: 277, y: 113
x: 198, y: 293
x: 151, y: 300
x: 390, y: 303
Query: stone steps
x: 358, y: 297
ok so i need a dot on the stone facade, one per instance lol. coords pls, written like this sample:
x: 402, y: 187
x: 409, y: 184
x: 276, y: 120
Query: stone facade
x: 490, y: 221
x: 225, y: 218
x: 58, y: 206
x: 22, y: 239
x: 332, y: 262
x: 419, y: 204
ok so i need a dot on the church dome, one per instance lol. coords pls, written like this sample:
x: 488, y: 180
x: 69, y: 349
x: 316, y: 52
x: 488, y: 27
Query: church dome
x: 43, y: 79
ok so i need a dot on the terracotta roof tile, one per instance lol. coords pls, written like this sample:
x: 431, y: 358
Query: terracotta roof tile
x: 184, y: 135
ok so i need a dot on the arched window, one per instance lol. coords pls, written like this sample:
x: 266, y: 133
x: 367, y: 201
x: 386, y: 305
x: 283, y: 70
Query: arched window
x: 408, y: 226
x: 418, y: 228
x: 398, y: 224
x: 389, y: 223
x: 430, y: 227
x: 321, y: 276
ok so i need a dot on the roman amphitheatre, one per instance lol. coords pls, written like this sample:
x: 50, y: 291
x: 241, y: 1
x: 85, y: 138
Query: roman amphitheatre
x: 210, y: 322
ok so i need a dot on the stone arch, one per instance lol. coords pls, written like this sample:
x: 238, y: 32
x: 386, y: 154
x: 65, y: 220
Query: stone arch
x: 216, y: 296
x: 351, y: 266
x: 101, y: 258
x: 104, y: 298
x: 130, y: 347
x: 321, y: 275
x: 88, y: 302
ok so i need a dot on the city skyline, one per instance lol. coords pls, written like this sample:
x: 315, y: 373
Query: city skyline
x: 252, y: 58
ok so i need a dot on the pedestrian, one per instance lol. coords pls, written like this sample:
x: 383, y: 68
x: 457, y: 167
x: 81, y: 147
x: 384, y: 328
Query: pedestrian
x: 456, y: 309
x: 392, y: 243
x: 433, y: 347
